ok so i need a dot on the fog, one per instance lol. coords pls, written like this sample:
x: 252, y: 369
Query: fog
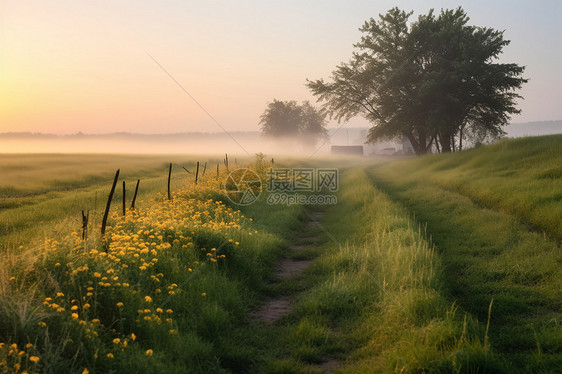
x: 197, y: 143
x: 235, y: 143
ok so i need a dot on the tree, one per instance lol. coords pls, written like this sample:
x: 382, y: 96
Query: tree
x: 289, y: 120
x: 432, y: 81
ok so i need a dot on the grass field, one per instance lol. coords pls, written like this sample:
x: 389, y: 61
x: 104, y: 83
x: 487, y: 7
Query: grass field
x: 445, y: 263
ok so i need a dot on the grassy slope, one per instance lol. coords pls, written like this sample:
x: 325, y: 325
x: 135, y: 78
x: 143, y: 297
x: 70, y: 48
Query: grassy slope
x: 494, y: 215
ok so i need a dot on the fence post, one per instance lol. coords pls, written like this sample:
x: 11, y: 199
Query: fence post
x: 108, y: 205
x: 85, y: 218
x: 135, y: 195
x: 197, y: 172
x: 124, y: 200
x: 169, y: 178
x: 204, y: 169
x: 217, y: 170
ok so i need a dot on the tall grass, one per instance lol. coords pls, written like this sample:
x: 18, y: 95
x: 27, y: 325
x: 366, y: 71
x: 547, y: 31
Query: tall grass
x: 482, y: 209
x: 380, y: 294
x: 521, y: 177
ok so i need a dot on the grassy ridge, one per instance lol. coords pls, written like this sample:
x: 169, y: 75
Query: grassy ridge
x: 522, y: 177
x: 495, y: 252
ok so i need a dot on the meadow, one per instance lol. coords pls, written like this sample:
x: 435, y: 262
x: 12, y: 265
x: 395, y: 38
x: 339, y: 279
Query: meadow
x: 444, y: 263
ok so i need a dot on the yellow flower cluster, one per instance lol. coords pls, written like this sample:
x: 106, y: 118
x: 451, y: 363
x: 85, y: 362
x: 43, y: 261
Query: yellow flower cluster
x: 16, y: 360
x: 143, y: 258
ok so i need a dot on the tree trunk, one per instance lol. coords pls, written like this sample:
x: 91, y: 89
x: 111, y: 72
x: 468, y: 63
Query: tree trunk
x: 445, y: 140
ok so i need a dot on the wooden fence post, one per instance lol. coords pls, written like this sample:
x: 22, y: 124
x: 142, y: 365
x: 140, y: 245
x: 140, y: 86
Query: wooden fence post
x: 217, y: 169
x: 85, y: 218
x: 135, y: 195
x: 108, y: 205
x: 197, y: 172
x: 169, y: 178
x: 124, y: 199
x: 204, y: 169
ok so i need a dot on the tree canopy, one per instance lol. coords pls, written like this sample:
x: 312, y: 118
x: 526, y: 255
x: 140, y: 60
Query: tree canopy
x: 434, y: 81
x: 289, y: 120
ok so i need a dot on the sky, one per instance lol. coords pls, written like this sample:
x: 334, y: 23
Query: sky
x: 97, y: 67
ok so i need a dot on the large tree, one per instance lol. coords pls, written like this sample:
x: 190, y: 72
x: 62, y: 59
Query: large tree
x: 432, y: 81
x: 285, y: 120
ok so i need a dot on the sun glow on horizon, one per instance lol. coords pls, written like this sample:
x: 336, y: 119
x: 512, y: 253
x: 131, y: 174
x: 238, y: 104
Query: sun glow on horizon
x: 70, y: 66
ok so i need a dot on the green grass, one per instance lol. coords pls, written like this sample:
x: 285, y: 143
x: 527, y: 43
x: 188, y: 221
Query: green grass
x: 372, y: 300
x: 496, y: 227
x: 41, y: 290
x: 41, y: 196
x: 521, y: 177
x: 436, y: 264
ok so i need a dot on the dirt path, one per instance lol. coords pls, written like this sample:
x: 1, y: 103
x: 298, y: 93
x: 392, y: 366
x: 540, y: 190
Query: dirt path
x: 289, y: 268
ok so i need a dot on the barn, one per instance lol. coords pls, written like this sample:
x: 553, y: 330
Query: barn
x: 350, y: 150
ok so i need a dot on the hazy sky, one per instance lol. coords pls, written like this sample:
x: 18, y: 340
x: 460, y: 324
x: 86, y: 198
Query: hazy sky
x: 69, y: 66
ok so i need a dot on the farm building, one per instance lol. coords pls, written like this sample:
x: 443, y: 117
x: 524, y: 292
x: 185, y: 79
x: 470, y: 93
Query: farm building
x: 351, y: 150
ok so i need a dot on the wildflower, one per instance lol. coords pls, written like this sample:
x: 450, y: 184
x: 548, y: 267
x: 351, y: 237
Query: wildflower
x: 159, y: 310
x: 148, y: 299
x: 120, y: 304
x: 116, y: 341
x: 169, y: 311
x: 133, y: 336
x: 85, y: 371
x: 95, y: 320
x: 149, y: 352
x: 41, y: 324
x: 204, y: 294
x: 110, y: 355
x: 86, y: 306
x: 74, y: 307
x: 34, y: 359
x: 60, y: 294
x: 75, y: 315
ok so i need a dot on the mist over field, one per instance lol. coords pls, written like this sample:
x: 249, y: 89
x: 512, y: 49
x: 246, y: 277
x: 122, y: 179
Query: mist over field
x: 204, y: 143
